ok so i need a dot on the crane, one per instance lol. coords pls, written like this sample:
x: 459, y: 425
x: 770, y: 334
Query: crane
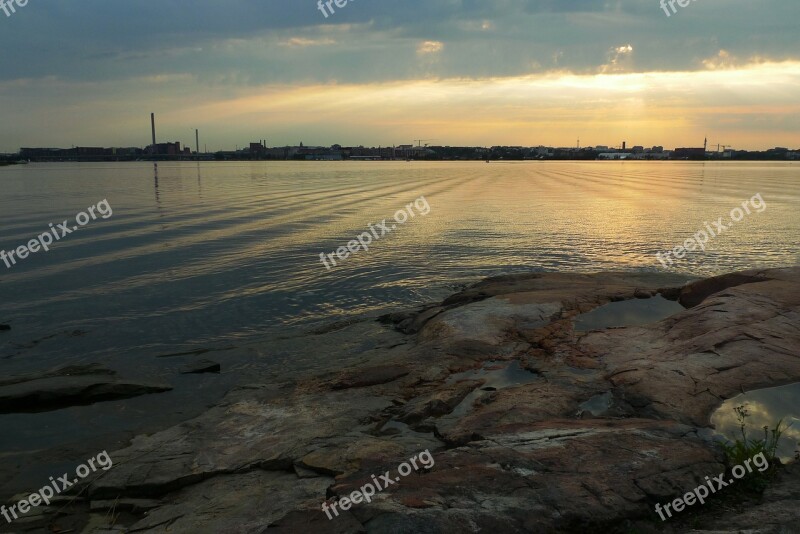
x: 722, y: 146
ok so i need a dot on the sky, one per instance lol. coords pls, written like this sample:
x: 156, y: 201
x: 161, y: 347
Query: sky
x: 388, y: 72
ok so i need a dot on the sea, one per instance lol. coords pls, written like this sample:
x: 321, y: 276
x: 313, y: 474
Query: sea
x: 226, y: 256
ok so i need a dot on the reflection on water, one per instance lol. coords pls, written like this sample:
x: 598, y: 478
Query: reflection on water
x: 766, y: 408
x: 155, y: 181
x: 627, y: 313
x: 231, y: 255
x: 177, y: 268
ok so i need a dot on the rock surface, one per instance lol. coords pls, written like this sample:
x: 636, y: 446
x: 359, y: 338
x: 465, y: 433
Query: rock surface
x: 68, y: 386
x: 528, y: 456
x: 200, y: 367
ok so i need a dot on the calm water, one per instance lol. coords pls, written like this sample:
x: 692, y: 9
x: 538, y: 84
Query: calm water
x: 223, y: 254
x: 627, y: 313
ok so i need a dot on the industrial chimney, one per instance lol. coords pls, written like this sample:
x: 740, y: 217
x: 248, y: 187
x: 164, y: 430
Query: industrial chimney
x: 153, y: 126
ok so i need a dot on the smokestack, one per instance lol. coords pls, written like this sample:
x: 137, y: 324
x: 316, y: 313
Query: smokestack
x: 624, y: 145
x: 153, y: 126
x: 197, y: 140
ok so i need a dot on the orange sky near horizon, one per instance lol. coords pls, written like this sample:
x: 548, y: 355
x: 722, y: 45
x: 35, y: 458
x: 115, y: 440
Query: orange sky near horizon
x: 751, y: 106
x: 669, y: 108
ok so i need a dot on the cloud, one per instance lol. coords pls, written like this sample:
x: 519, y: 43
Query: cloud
x: 430, y: 47
x: 644, y: 108
x: 483, y: 38
x: 723, y: 60
x: 302, y: 42
x: 618, y: 59
x: 246, y: 45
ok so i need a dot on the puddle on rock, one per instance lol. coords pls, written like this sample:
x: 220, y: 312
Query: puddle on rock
x: 495, y: 379
x: 598, y: 405
x: 632, y: 312
x: 765, y: 408
x: 511, y: 374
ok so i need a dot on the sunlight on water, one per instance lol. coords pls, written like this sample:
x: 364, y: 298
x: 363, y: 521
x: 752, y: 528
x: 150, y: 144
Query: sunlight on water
x: 220, y: 253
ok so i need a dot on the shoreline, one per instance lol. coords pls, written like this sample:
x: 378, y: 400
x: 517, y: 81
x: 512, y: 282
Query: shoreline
x: 491, y: 381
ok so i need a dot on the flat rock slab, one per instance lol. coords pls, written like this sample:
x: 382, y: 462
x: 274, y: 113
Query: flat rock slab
x: 369, y: 376
x: 521, y: 456
x: 235, y: 503
x: 253, y: 429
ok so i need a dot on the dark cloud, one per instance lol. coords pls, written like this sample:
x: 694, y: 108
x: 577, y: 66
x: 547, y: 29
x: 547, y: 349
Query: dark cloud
x: 98, y: 40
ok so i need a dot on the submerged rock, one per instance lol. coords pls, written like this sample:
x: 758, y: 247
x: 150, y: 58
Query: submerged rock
x: 69, y: 386
x: 200, y: 367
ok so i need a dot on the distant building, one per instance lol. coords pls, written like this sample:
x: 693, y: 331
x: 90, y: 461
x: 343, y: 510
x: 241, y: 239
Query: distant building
x: 315, y: 153
x: 81, y: 153
x: 166, y: 149
x: 689, y: 153
x: 42, y: 153
x: 92, y: 151
x: 276, y: 153
x: 411, y: 151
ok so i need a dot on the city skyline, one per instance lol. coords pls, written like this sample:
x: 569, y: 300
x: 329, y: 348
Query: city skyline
x: 181, y: 147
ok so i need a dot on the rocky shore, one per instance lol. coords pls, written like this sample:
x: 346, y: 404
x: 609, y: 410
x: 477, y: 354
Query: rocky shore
x: 69, y: 386
x: 534, y: 426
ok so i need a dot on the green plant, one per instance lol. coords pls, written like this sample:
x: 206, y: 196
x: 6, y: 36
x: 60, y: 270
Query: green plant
x: 741, y: 450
